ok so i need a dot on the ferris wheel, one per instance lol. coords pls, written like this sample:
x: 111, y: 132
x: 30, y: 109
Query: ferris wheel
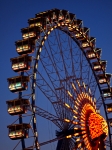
x: 61, y: 78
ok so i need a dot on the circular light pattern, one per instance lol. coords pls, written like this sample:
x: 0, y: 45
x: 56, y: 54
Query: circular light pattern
x: 97, y: 125
x: 93, y: 125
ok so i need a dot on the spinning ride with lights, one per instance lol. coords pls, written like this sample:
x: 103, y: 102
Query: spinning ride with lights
x: 59, y: 61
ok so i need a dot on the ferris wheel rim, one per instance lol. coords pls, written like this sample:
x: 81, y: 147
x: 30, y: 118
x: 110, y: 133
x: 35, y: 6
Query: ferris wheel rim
x: 58, y: 27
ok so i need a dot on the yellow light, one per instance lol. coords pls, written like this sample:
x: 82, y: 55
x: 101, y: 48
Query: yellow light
x: 76, y: 103
x: 74, y: 26
x: 83, y: 119
x: 75, y: 128
x: 76, y: 107
x: 78, y: 83
x: 84, y: 136
x: 40, y: 49
x: 67, y: 105
x: 75, y: 111
x: 94, y: 100
x: 73, y: 86
x: 75, y: 117
x: 45, y: 37
x: 76, y: 134
x: 79, y: 145
x: 69, y: 94
x: 42, y: 42
x: 69, y: 136
x: 66, y: 120
x: 82, y: 124
x: 80, y: 97
x: 48, y: 32
x: 82, y: 94
x: 89, y: 90
x: 78, y: 100
x: 84, y: 85
x: 83, y: 132
x: 78, y: 139
x: 75, y: 122
x: 86, y: 95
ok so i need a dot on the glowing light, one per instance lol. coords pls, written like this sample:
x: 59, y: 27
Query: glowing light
x: 48, y: 32
x: 85, y: 44
x: 75, y: 117
x: 76, y: 107
x: 89, y: 91
x: 69, y: 136
x: 83, y: 125
x: 102, y: 80
x: 75, y: 122
x: 76, y: 134
x: 79, y: 145
x: 78, y: 139
x: 45, y: 37
x: 78, y: 83
x: 97, y: 125
x: 75, y: 111
x: 42, y: 42
x: 94, y: 100
x: 66, y: 120
x: 75, y: 128
x: 84, y: 136
x: 84, y: 85
x: 73, y: 86
x: 67, y: 105
x: 76, y: 103
x: 78, y: 100
x: 40, y: 49
x: 69, y: 94
x: 109, y: 109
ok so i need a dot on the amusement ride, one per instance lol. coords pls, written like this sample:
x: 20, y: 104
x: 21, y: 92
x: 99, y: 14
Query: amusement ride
x: 59, y: 63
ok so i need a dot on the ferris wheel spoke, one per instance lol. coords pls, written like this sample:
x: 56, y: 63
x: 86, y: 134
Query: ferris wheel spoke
x: 92, y: 85
x: 16, y: 145
x: 44, y: 86
x: 61, y: 52
x: 49, y: 93
x: 107, y: 143
x: 99, y: 102
x: 47, y: 142
x: 70, y: 42
x: 56, y: 57
x: 49, y: 74
x: 43, y: 113
x: 50, y: 66
x: 57, y: 71
x: 71, y: 145
x: 64, y: 144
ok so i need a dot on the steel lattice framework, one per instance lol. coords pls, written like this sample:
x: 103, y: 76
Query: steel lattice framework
x: 60, y: 59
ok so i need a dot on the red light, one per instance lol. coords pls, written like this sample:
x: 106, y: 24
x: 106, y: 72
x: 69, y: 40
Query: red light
x: 97, y: 125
